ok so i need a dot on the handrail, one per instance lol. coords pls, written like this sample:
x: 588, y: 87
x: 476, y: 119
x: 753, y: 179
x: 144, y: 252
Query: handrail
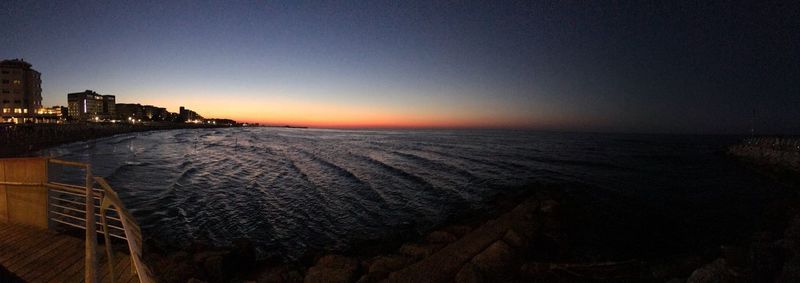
x: 69, y: 163
x: 132, y: 231
x: 107, y: 200
x: 70, y: 189
x: 90, y: 272
x: 20, y: 184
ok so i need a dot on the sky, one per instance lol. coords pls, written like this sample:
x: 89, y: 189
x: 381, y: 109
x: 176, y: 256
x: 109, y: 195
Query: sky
x: 705, y: 67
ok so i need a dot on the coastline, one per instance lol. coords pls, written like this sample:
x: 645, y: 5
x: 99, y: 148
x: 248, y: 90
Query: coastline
x: 536, y: 233
x: 20, y: 140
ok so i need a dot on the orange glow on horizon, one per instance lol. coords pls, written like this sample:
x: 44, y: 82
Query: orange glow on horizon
x: 292, y: 111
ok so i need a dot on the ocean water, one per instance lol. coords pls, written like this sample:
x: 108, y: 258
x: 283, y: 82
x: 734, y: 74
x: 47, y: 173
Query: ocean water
x: 294, y: 190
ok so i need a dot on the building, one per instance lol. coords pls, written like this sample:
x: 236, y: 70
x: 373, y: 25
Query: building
x: 186, y: 115
x: 55, y: 114
x: 153, y: 113
x: 129, y: 112
x: 20, y: 92
x: 221, y: 122
x: 109, y: 107
x: 91, y: 106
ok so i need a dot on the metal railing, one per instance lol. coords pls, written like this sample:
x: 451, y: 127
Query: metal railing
x: 70, y: 205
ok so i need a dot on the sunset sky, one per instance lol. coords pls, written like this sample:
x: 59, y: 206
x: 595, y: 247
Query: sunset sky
x: 583, y: 65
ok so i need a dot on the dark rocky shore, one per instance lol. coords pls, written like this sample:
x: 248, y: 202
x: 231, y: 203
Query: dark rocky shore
x: 18, y: 140
x: 541, y: 234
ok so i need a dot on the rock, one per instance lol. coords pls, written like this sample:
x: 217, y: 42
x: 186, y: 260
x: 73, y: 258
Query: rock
x: 386, y: 264
x: 791, y: 271
x: 199, y: 245
x: 180, y: 256
x: 495, y: 259
x: 318, y: 274
x: 179, y: 272
x: 527, y: 209
x: 332, y: 268
x: 549, y: 206
x: 714, y: 272
x: 458, y: 230
x: 337, y: 261
x: 279, y: 274
x: 440, y: 237
x: 215, y: 268
x: 514, y: 240
x: 469, y: 274
x: 245, y: 253
x: 734, y: 256
x: 676, y: 268
x: 766, y: 259
x: 372, y: 278
x: 419, y: 251
x: 200, y: 257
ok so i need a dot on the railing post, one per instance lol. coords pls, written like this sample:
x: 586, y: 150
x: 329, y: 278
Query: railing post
x: 109, y: 252
x: 90, y: 266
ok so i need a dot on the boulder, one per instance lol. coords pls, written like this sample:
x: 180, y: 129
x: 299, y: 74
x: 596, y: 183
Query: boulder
x: 496, y: 259
x: 715, y: 272
x: 388, y: 263
x: 372, y: 278
x: 215, y: 268
x: 419, y: 251
x: 337, y: 261
x: 457, y: 230
x: 318, y: 274
x: 549, y: 206
x: 279, y: 274
x: 790, y: 271
x: 440, y: 237
x: 245, y: 253
x: 514, y: 240
x: 178, y: 272
x: 469, y: 274
x: 331, y: 269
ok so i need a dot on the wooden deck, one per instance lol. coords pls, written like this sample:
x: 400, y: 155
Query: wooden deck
x: 37, y: 255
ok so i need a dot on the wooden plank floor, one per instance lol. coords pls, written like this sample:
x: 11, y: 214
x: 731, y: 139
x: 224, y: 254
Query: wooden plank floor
x: 36, y: 255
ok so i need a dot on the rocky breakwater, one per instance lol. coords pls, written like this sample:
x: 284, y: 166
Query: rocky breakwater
x: 493, y: 250
x: 779, y: 153
x: 526, y: 243
x: 546, y: 236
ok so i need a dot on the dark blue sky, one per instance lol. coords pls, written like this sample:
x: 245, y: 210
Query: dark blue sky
x: 585, y: 65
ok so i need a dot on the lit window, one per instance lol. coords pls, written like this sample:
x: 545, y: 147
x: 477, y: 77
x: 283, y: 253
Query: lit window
x: 17, y: 110
x: 16, y: 82
x: 25, y: 111
x: 6, y: 110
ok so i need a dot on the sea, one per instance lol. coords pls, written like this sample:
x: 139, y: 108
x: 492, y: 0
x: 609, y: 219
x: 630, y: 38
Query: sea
x: 291, y: 191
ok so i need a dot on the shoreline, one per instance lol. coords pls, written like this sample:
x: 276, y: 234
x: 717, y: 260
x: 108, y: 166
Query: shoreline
x: 534, y: 233
x: 26, y: 139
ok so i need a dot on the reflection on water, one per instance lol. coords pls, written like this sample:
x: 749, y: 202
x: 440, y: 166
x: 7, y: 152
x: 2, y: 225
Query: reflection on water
x: 295, y: 189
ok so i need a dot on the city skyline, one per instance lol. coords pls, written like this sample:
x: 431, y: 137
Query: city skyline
x: 682, y: 68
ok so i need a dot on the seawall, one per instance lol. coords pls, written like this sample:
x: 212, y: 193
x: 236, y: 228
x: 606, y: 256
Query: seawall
x: 781, y: 153
x: 17, y: 140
